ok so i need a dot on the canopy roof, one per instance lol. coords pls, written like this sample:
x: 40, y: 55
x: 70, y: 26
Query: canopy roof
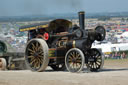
x: 55, y: 25
x: 33, y: 26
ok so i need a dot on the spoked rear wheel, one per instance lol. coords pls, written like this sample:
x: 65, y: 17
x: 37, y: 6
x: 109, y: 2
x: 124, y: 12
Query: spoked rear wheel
x: 74, y: 60
x: 95, y: 60
x: 36, y: 55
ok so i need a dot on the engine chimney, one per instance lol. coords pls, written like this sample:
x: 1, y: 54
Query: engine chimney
x: 81, y: 19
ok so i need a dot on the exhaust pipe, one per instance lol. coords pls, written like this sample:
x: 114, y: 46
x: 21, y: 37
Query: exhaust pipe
x: 81, y: 19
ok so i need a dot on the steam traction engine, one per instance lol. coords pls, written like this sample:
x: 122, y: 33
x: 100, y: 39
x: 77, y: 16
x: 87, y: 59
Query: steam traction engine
x: 62, y: 46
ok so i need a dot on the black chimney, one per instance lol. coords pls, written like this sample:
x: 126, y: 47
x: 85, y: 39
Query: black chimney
x: 81, y: 19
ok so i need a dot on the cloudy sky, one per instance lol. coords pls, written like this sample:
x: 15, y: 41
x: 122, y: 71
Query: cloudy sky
x: 39, y: 7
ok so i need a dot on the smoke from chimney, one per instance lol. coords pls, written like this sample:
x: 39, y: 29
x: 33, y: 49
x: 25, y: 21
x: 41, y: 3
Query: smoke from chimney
x: 39, y: 7
x: 53, y: 6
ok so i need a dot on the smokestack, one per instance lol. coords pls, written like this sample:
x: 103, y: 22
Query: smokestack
x: 81, y: 19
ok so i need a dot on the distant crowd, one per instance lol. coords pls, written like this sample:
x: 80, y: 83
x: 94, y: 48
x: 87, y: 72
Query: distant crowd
x: 117, y: 55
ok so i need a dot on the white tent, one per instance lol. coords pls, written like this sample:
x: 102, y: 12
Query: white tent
x: 112, y: 47
x: 125, y: 34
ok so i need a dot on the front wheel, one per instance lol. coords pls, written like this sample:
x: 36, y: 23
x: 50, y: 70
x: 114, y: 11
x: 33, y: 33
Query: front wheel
x: 95, y: 60
x: 36, y: 55
x: 74, y: 60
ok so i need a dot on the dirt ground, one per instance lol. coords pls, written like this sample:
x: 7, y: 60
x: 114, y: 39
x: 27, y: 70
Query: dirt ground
x: 115, y: 72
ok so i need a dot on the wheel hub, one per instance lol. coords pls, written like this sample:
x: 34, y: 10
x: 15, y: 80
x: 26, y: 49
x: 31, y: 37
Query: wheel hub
x: 95, y: 59
x: 74, y: 60
x: 36, y: 55
x: 91, y: 60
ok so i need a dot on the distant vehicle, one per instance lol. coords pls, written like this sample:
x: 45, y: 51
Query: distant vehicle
x: 9, y: 58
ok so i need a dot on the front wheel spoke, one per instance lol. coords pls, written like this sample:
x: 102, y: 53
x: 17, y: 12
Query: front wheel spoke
x: 77, y: 56
x: 99, y: 56
x: 78, y: 61
x: 97, y: 65
x: 98, y: 61
x: 72, y: 54
x: 95, y: 53
x: 92, y: 65
x: 70, y: 58
x: 74, y: 66
x: 71, y: 64
x: 78, y: 65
